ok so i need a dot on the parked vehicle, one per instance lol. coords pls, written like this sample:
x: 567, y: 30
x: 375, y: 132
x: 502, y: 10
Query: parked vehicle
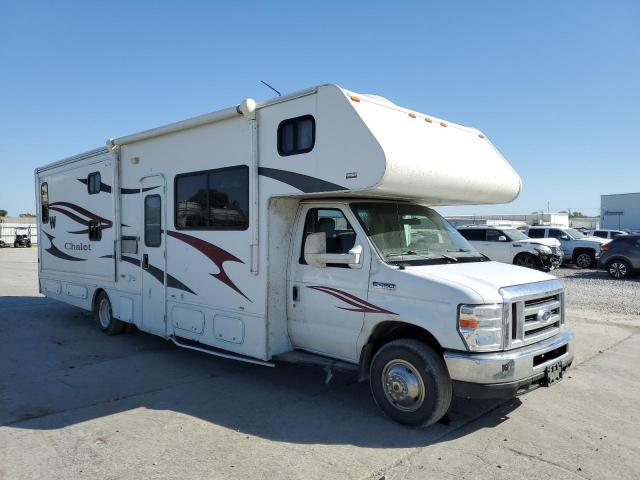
x: 577, y: 248
x: 22, y: 238
x: 608, y: 234
x: 251, y: 234
x: 3, y: 244
x: 509, y: 245
x: 621, y: 256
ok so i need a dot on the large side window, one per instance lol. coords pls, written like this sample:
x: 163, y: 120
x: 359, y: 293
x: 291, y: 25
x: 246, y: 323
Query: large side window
x: 536, y: 233
x: 555, y: 233
x: 473, y: 234
x: 339, y: 233
x: 296, y: 135
x: 213, y: 199
x: 152, y: 221
x: 44, y: 202
x: 493, y: 235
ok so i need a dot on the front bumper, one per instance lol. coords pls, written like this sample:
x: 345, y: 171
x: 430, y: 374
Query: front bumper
x: 502, y: 374
x: 551, y: 261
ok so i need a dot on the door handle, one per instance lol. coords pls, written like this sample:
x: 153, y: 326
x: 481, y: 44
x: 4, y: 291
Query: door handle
x: 145, y: 261
x: 295, y: 294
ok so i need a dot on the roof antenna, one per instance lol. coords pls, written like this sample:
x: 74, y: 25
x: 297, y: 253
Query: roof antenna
x: 279, y: 94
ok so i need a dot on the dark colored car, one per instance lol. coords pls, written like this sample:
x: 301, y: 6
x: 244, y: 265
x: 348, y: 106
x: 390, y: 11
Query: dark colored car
x: 621, y: 256
x: 22, y: 241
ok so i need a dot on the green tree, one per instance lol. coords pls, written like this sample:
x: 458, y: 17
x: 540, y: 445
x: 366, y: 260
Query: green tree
x: 3, y: 213
x: 23, y: 215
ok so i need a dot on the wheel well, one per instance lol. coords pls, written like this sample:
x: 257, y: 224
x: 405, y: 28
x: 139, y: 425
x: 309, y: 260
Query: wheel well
x: 95, y: 298
x: 386, y: 332
x: 522, y: 254
x: 580, y: 250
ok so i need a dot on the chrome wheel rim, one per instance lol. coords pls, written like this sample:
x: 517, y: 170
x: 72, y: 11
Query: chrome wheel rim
x: 583, y: 260
x: 618, y: 270
x: 104, y: 313
x: 403, y: 385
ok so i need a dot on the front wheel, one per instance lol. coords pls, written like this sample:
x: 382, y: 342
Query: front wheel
x: 585, y: 259
x: 104, y: 317
x: 410, y: 383
x: 619, y: 269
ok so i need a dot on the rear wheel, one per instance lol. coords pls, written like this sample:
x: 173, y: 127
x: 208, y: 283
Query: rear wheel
x: 584, y: 259
x: 619, y: 269
x: 410, y: 383
x: 104, y: 317
x: 528, y: 260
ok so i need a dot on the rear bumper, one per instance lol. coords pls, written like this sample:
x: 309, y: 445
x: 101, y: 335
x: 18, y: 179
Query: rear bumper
x: 502, y: 374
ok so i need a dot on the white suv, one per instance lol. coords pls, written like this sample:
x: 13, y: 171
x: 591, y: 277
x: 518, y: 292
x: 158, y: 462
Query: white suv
x: 509, y: 245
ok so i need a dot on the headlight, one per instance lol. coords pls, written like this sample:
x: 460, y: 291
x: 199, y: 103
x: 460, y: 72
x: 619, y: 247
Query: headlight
x: 543, y: 250
x: 481, y: 326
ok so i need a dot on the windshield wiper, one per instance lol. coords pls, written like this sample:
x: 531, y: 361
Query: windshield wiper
x: 461, y: 250
x: 432, y: 256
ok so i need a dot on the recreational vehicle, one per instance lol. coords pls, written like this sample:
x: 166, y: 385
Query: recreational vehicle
x: 301, y: 229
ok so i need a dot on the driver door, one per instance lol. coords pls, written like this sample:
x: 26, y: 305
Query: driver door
x: 327, y: 304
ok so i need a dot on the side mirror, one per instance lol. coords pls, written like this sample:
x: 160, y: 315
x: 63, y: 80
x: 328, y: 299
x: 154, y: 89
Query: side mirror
x: 315, y: 246
x: 315, y: 253
x: 564, y: 237
x: 502, y: 238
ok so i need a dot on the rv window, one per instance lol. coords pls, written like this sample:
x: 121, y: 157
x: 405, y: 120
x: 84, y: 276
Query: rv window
x: 93, y: 183
x: 44, y: 202
x: 152, y: 221
x: 213, y: 200
x: 95, y: 231
x: 296, y: 135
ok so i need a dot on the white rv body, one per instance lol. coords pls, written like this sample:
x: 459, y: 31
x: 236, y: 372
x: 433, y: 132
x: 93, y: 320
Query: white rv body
x: 240, y: 285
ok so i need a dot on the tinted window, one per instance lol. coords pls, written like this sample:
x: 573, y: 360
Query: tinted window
x: 536, y: 233
x: 493, y: 235
x: 152, y: 221
x: 600, y: 234
x: 473, y: 234
x: 555, y: 233
x: 296, y: 135
x: 213, y: 200
x: 44, y: 202
x: 339, y: 234
x: 93, y: 183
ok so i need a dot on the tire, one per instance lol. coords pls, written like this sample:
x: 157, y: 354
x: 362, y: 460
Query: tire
x: 619, y: 269
x: 584, y: 259
x: 527, y: 260
x: 105, y: 320
x: 410, y: 383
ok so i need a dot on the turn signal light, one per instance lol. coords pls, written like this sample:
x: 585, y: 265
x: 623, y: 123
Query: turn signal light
x: 468, y: 323
x: 354, y: 98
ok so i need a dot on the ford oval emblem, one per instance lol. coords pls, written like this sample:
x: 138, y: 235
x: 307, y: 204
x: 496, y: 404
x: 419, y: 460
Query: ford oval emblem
x: 544, y: 315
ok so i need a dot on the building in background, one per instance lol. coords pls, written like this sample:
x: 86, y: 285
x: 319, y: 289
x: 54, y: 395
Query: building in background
x: 23, y: 225
x: 514, y: 220
x: 620, y: 211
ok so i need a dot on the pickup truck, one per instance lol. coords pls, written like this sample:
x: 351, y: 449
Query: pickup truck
x: 509, y: 245
x: 577, y: 248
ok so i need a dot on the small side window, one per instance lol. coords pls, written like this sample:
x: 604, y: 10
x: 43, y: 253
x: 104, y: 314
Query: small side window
x: 536, y: 233
x: 493, y: 235
x: 95, y: 231
x: 152, y: 221
x: 93, y: 183
x: 44, y: 202
x: 296, y: 135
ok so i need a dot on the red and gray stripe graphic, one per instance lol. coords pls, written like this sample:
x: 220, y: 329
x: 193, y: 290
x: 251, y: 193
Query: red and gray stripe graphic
x: 79, y: 215
x: 357, y: 304
x: 216, y: 254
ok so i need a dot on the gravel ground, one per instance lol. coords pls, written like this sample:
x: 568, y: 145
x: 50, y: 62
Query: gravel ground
x: 595, y: 290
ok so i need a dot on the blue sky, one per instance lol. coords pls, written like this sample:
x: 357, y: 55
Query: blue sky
x: 555, y: 85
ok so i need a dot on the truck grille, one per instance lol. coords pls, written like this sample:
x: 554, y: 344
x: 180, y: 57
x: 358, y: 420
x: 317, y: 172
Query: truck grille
x: 534, y: 312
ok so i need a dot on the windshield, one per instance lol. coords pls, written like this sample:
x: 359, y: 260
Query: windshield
x: 573, y: 233
x: 413, y: 234
x: 514, y: 234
